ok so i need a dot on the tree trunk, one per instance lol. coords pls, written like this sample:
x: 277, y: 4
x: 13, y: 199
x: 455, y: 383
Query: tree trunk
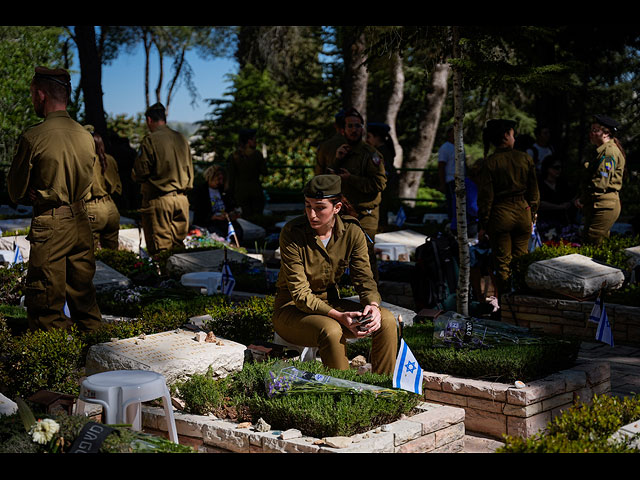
x: 356, y: 74
x: 395, y: 101
x: 419, y: 154
x: 91, y: 77
x: 146, y: 42
x: 462, y: 293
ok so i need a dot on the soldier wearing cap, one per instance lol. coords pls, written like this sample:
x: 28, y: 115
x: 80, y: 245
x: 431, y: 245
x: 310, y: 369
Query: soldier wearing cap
x: 508, y: 198
x: 164, y: 169
x: 53, y: 170
x: 378, y: 137
x: 245, y: 167
x: 602, y: 182
x: 316, y: 249
x: 326, y: 153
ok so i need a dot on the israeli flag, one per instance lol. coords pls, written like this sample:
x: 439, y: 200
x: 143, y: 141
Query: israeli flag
x: 604, y: 333
x: 143, y: 253
x: 17, y: 257
x: 535, y: 241
x: 407, y: 374
x: 401, y: 217
x: 66, y: 310
x: 596, y: 312
x: 231, y: 232
x: 228, y: 282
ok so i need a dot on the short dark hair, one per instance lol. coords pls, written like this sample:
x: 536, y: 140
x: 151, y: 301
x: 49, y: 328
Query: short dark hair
x: 156, y: 112
x: 56, y: 90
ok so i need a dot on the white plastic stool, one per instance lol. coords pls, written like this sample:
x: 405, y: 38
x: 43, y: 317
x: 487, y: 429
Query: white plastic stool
x: 307, y: 354
x: 120, y: 392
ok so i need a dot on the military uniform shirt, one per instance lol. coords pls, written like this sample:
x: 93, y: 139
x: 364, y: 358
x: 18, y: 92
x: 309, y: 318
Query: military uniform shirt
x: 164, y: 163
x: 309, y: 269
x: 506, y: 174
x: 106, y: 183
x: 367, y: 176
x: 326, y: 153
x: 55, y: 158
x: 605, y: 174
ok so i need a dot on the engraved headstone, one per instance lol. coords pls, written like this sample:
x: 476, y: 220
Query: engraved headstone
x: 409, y: 238
x: 204, y: 261
x: 107, y: 278
x: 176, y: 354
x: 574, y: 275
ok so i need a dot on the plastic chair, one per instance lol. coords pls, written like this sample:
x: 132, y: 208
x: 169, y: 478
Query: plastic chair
x: 121, y: 392
x: 307, y: 354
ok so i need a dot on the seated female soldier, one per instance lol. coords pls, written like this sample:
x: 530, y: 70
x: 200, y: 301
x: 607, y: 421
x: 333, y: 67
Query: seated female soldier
x: 315, y: 251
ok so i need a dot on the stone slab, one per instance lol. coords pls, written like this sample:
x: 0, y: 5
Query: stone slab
x: 251, y: 231
x: 175, y: 354
x: 7, y: 406
x: 129, y: 239
x: 410, y: 238
x: 634, y: 255
x: 107, y: 278
x: 573, y: 274
x: 8, y: 243
x: 204, y: 261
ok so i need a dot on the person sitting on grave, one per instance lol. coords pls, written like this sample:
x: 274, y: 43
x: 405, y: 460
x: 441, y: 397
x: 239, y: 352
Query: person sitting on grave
x: 316, y: 249
x: 214, y: 207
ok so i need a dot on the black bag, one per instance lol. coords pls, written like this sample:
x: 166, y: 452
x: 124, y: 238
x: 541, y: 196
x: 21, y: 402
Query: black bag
x: 435, y: 275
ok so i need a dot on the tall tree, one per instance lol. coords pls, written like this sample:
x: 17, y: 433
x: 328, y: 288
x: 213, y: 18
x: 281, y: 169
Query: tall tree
x: 355, y: 75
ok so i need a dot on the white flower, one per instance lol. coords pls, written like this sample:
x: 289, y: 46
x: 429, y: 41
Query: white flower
x: 44, y: 430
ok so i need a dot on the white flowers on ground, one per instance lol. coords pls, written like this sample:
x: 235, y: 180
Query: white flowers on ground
x: 44, y: 430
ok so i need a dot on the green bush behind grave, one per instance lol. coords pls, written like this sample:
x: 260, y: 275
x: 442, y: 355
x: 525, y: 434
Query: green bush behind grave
x: 582, y: 428
x: 504, y: 364
x: 314, y: 414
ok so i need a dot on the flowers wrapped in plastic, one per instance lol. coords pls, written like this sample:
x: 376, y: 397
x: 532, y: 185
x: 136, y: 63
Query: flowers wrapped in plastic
x: 452, y: 329
x: 285, y: 379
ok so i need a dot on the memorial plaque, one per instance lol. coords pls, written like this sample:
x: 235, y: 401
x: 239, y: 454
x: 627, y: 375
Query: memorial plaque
x: 176, y: 354
x: 574, y: 275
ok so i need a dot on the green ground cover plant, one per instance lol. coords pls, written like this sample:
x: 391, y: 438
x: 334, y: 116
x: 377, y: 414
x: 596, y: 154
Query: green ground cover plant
x: 583, y: 428
x: 243, y: 396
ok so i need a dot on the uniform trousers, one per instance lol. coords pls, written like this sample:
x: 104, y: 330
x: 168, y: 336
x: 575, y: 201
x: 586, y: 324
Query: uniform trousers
x: 61, y: 268
x: 509, y: 233
x: 322, y: 331
x: 165, y: 221
x: 600, y: 215
x: 105, y: 222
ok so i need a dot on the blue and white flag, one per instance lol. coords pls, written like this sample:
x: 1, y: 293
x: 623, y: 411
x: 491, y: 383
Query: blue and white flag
x: 17, y: 257
x: 407, y: 374
x: 401, y: 217
x: 596, y: 312
x: 604, y: 333
x: 228, y: 282
x: 143, y: 253
x: 535, y: 241
x: 66, y: 310
x: 231, y: 232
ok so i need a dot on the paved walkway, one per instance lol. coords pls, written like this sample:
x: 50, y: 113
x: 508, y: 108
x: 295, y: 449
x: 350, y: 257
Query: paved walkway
x: 625, y: 381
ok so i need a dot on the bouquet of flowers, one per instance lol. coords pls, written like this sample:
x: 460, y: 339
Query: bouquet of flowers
x: 285, y: 379
x: 454, y: 330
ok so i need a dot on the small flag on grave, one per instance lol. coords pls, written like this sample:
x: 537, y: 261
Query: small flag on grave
x: 228, y: 281
x: 401, y: 217
x: 407, y: 374
x: 604, y: 333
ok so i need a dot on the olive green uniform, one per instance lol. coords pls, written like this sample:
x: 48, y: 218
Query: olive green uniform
x: 508, y: 199
x: 54, y: 161
x: 307, y: 291
x: 326, y: 153
x: 103, y: 213
x: 245, y: 167
x: 165, y: 170
x: 364, y: 187
x: 600, y: 192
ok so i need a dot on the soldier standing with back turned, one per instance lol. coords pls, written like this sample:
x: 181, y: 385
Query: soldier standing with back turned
x: 165, y: 170
x: 53, y: 170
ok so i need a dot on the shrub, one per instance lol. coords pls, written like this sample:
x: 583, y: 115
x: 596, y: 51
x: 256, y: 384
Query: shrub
x: 315, y: 414
x: 582, y: 428
x: 12, y: 283
x: 244, y: 322
x: 40, y: 359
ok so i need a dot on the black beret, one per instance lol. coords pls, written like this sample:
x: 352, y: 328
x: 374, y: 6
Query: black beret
x: 378, y: 128
x: 323, y: 186
x: 605, y: 121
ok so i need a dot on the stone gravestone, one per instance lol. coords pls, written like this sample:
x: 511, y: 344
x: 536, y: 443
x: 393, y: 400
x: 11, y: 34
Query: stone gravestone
x: 634, y: 255
x: 176, y: 354
x: 205, y: 261
x: 574, y: 275
x: 107, y: 278
x: 409, y: 238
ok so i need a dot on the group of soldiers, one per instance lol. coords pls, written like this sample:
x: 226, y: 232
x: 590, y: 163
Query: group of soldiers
x: 54, y: 170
